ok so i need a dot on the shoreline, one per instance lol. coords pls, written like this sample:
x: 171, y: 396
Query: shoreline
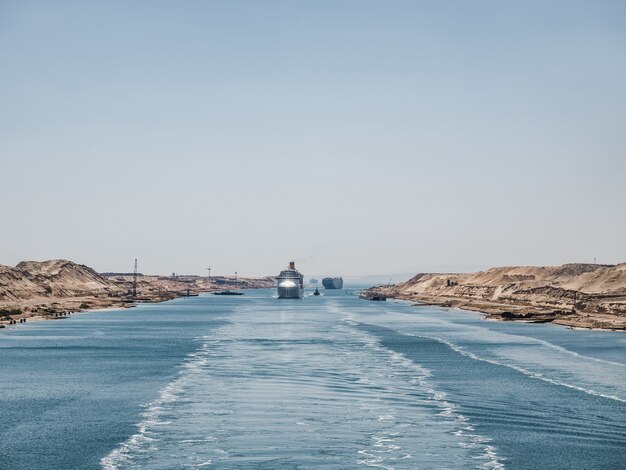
x: 63, y: 306
x: 30, y: 318
x: 54, y: 289
x: 575, y: 295
x: 501, y: 312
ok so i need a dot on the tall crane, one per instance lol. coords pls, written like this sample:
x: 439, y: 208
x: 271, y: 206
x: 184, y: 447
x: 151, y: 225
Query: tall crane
x: 135, y: 280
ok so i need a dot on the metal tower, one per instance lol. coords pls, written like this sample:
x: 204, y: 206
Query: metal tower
x: 135, y: 280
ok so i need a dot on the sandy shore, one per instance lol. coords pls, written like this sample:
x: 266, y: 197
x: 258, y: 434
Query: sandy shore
x: 52, y: 290
x: 38, y: 318
x: 526, y: 313
x: 59, y: 309
x: 576, y: 295
x: 519, y: 313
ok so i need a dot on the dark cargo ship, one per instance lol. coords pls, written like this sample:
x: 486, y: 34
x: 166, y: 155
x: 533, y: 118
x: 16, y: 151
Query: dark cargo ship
x: 332, y: 282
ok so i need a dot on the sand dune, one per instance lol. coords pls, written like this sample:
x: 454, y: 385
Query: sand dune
x: 587, y: 295
x: 55, y: 287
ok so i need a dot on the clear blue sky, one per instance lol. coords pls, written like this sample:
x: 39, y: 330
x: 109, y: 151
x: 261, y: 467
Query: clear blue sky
x: 356, y: 137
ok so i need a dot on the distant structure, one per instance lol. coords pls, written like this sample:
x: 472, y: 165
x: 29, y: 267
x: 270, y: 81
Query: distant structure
x: 332, y: 282
x: 209, y: 269
x: 135, y: 280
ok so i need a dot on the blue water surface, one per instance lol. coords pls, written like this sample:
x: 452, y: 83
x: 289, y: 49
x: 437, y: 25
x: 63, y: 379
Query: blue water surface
x: 323, y: 382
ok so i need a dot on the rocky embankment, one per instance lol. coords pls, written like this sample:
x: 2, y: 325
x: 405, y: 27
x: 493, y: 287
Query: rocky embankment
x: 576, y: 295
x: 56, y: 288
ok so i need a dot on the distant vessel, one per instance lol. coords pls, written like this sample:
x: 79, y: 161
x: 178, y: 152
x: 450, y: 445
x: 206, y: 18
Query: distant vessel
x: 332, y: 282
x: 317, y: 291
x: 290, y: 283
x: 313, y: 281
x: 227, y: 292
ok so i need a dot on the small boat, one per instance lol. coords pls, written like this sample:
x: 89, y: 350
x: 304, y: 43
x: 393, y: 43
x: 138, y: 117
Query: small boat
x: 317, y: 292
x: 374, y: 297
x: 227, y: 292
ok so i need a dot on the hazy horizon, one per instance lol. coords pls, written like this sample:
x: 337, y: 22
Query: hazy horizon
x: 356, y: 138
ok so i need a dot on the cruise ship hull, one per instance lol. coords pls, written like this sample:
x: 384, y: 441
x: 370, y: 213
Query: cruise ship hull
x: 290, y: 283
x: 290, y: 291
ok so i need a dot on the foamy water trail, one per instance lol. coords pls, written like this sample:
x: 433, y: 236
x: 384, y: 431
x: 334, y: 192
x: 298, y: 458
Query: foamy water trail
x: 534, y: 375
x: 318, y: 385
x: 327, y: 394
x: 534, y: 357
x: 575, y: 354
x: 144, y: 441
x: 420, y: 377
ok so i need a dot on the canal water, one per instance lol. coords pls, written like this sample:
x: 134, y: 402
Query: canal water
x: 324, y: 382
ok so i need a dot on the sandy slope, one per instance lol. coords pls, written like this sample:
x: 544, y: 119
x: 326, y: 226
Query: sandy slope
x: 55, y: 287
x: 586, y: 295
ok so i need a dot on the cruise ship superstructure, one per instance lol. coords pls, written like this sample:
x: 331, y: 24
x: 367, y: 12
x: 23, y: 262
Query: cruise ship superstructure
x: 290, y: 283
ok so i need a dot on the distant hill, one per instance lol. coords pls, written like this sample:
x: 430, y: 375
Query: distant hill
x: 51, y: 279
x: 577, y: 294
x: 586, y: 278
x: 47, y: 288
